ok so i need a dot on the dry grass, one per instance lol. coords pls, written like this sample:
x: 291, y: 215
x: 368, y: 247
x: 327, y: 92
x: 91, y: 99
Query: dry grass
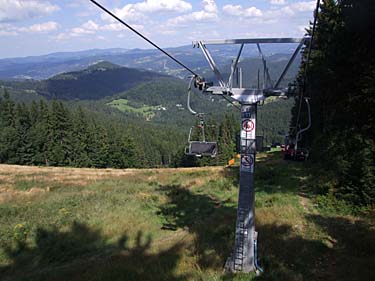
x: 11, y: 175
x: 82, y: 176
x: 170, y: 224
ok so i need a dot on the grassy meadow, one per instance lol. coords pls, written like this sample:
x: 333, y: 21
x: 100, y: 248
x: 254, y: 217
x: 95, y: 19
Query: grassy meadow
x: 173, y: 224
x: 146, y: 111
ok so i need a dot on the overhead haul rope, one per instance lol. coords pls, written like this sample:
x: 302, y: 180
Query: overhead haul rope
x: 144, y: 37
x: 196, y: 76
x: 307, y: 64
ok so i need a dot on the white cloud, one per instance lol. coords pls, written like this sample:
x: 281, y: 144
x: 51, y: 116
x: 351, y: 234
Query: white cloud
x: 167, y: 32
x: 286, y: 11
x: 136, y: 12
x: 12, y: 30
x: 128, y: 13
x: 200, y: 16
x: 16, y: 10
x: 7, y: 30
x: 79, y: 31
x: 40, y: 27
x: 303, y: 6
x: 90, y: 25
x: 116, y: 27
x: 271, y: 15
x: 291, y: 10
x: 151, y: 6
x: 208, y: 14
x: 238, y: 10
x: 209, y: 6
x: 90, y: 28
x: 278, y: 2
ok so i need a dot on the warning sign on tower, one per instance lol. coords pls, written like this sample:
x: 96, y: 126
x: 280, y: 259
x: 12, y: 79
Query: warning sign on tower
x: 248, y: 129
x: 247, y: 163
x: 248, y: 125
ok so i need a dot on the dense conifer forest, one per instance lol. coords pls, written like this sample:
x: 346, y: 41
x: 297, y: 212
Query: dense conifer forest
x: 48, y: 133
x: 340, y: 83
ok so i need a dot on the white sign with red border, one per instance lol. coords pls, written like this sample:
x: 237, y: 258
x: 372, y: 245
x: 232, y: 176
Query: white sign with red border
x: 248, y: 129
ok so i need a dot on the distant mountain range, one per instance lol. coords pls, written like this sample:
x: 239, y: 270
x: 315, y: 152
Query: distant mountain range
x: 105, y: 79
x: 136, y: 96
x: 93, y: 83
x: 46, y: 66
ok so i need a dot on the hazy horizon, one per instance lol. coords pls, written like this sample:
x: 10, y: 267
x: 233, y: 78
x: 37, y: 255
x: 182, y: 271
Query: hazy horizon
x: 33, y: 28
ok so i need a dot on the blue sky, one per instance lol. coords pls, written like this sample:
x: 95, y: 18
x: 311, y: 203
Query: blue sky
x: 34, y: 27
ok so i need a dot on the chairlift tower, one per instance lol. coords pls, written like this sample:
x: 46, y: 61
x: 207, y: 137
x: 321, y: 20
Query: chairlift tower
x: 244, y: 256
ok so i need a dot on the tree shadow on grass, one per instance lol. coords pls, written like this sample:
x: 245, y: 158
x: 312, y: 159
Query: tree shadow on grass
x: 232, y: 173
x: 284, y: 252
x: 211, y: 220
x: 272, y: 175
x: 82, y: 253
x: 347, y: 252
x: 351, y: 252
x: 285, y: 255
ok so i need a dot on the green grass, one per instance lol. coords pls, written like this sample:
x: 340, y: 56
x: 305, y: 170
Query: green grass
x: 173, y: 224
x: 146, y: 111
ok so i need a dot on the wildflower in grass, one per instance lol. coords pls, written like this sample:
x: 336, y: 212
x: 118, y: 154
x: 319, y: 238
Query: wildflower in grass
x: 64, y: 211
x: 20, y: 233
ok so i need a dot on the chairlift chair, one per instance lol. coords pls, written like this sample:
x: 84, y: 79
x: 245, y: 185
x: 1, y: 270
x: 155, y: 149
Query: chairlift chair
x: 202, y: 147
x: 293, y: 151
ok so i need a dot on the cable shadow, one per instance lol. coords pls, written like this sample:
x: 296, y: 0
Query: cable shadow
x: 211, y: 220
x: 82, y: 253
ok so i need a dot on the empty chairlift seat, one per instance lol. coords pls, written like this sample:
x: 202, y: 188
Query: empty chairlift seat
x: 200, y: 148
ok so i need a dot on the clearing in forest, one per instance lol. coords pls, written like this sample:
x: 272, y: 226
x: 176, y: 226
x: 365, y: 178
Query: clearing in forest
x: 171, y: 224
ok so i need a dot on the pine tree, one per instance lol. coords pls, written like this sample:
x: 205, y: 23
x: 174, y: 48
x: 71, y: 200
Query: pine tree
x: 22, y: 126
x: 80, y: 135
x: 8, y: 133
x: 340, y: 82
x: 227, y: 137
x: 59, y: 140
x: 98, y: 146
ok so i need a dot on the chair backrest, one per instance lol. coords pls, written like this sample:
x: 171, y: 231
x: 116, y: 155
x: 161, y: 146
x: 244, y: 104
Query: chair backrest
x: 200, y: 148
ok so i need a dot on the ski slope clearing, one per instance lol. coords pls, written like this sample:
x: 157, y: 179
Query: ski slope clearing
x: 172, y: 224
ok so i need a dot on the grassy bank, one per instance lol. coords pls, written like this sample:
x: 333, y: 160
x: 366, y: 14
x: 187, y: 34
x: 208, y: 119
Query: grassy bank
x: 172, y: 224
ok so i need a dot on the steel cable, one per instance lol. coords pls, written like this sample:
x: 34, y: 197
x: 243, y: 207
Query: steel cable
x: 307, y: 64
x: 144, y: 37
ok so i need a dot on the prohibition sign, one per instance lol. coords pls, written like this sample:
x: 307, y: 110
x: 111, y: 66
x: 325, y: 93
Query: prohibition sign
x: 248, y: 125
x: 247, y: 161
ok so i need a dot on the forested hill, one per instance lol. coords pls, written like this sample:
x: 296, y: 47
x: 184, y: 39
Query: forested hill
x: 341, y: 87
x: 130, y: 117
x: 97, y: 81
